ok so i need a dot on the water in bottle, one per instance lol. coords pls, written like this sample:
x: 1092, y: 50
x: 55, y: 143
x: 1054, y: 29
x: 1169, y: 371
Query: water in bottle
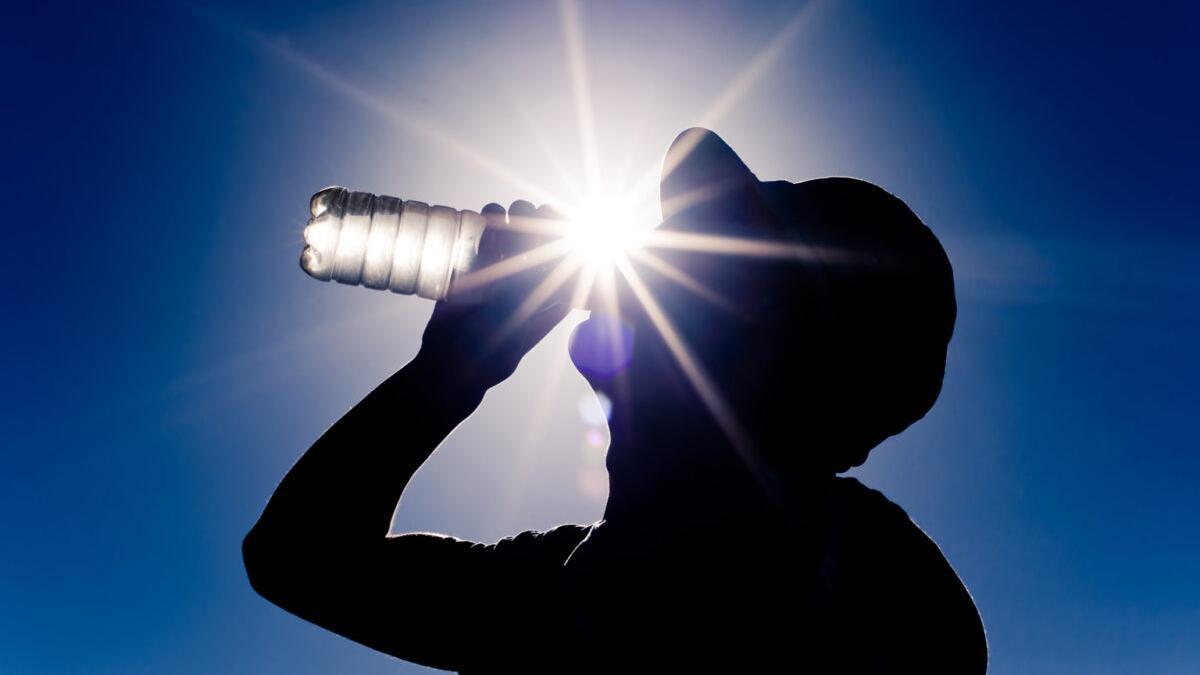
x: 383, y: 242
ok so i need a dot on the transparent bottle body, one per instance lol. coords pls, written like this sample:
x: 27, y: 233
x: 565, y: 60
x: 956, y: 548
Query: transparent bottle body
x: 382, y: 242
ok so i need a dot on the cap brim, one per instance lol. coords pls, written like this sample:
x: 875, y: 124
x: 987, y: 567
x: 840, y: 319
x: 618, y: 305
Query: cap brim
x: 700, y: 171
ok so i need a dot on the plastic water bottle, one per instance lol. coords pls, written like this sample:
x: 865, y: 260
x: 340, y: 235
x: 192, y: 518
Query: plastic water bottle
x: 405, y: 246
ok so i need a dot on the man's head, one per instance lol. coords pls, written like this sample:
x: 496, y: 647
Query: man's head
x: 823, y: 329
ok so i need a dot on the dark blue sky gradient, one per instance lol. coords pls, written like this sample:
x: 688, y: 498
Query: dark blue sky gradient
x: 165, y: 359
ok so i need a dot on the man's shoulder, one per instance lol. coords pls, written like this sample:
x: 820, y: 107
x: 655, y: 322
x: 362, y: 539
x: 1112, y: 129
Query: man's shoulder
x: 893, y: 565
x: 878, y: 528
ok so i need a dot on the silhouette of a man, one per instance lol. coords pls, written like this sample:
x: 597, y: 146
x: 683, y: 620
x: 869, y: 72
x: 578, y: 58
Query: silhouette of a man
x: 729, y: 543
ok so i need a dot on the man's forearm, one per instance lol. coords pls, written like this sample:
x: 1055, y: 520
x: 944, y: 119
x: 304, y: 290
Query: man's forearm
x: 346, y: 486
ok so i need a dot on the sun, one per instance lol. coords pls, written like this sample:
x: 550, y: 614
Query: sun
x: 609, y: 233
x: 603, y: 228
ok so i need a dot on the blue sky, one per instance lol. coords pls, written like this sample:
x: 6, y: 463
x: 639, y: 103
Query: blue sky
x: 166, y: 360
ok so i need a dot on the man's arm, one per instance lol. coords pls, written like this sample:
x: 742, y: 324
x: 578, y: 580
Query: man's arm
x: 321, y: 549
x: 345, y: 488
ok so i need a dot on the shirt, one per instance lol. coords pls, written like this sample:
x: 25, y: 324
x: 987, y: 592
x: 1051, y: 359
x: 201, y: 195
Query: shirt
x: 859, y: 588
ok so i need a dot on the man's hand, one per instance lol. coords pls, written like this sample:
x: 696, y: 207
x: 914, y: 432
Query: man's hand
x: 321, y: 549
x: 480, y: 344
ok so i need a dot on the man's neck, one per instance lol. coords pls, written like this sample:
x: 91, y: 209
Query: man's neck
x: 685, y: 486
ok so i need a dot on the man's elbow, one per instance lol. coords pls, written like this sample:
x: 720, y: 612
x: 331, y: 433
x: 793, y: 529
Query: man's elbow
x: 266, y: 569
x: 288, y: 571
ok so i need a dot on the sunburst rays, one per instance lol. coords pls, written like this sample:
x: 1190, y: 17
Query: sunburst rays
x: 568, y: 255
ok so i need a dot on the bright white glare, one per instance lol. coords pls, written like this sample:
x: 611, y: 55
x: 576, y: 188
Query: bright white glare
x: 595, y: 409
x: 604, y: 228
x: 605, y: 235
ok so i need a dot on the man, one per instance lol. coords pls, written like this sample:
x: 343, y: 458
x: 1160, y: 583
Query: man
x: 728, y: 543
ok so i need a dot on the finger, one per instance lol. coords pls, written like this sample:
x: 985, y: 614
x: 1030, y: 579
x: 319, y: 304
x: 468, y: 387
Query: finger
x: 493, y: 213
x: 529, y: 232
x: 521, y: 215
x: 540, y: 224
x: 548, y: 212
x: 492, y: 243
x: 522, y: 207
x: 554, y: 222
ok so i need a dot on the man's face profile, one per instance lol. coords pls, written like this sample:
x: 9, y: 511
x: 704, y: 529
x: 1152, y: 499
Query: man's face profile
x: 830, y: 334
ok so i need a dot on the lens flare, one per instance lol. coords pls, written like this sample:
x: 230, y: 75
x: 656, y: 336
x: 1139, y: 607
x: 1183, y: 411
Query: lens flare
x: 595, y: 409
x: 603, y: 228
x: 602, y: 240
